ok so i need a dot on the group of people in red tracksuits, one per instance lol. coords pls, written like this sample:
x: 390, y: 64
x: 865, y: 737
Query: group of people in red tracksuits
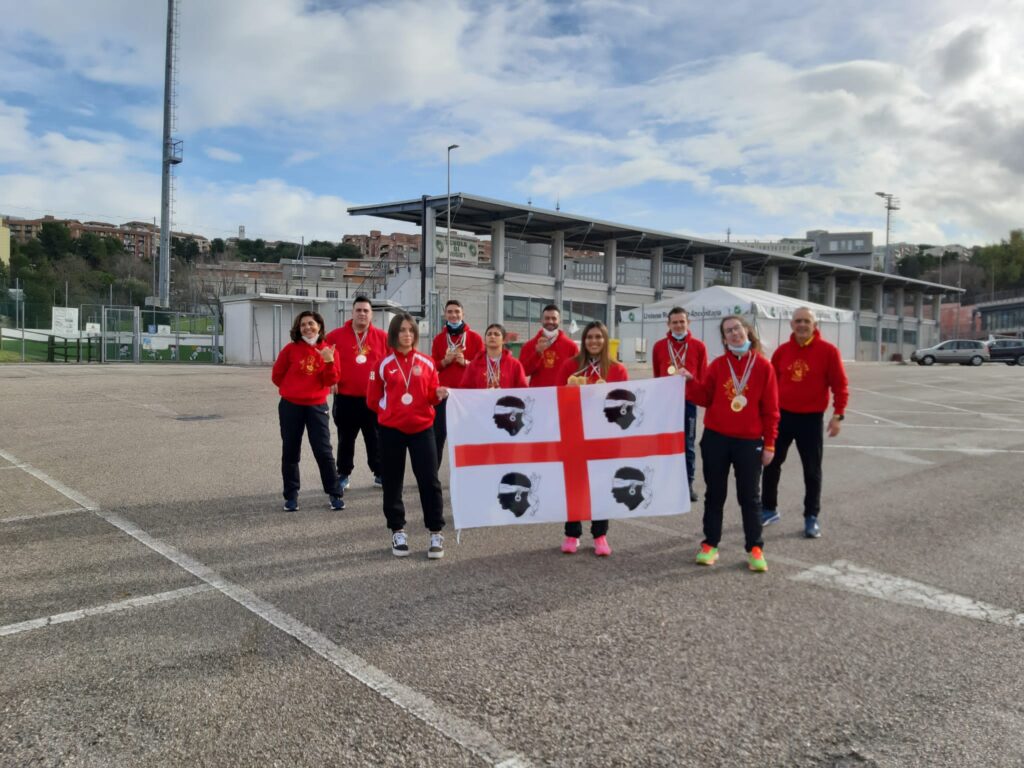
x: 396, y: 396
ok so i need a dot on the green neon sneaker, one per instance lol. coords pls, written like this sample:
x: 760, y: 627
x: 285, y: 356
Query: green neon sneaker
x: 756, y: 561
x: 707, y: 555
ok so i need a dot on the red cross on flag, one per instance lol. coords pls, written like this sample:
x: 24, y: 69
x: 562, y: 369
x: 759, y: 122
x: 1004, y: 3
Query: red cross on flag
x: 551, y: 454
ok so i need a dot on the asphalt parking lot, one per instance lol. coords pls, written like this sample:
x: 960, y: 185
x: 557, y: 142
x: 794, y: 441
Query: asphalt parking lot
x: 158, y: 609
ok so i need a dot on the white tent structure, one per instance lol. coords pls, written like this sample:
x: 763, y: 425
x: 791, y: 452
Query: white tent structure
x: 769, y: 313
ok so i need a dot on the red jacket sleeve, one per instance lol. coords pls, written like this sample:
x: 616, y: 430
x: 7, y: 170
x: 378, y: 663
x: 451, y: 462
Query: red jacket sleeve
x: 280, y: 366
x: 700, y: 388
x: 471, y: 376
x: 529, y: 358
x: 770, y: 409
x: 838, y: 382
x: 568, y: 369
x: 438, y: 349
x: 618, y: 372
x: 375, y: 390
x: 658, y: 358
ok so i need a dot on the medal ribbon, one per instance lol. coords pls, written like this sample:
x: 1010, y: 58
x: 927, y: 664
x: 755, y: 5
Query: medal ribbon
x: 739, y: 385
x: 677, y: 359
x: 406, y: 378
x: 454, y: 344
x: 494, y: 373
x: 593, y: 367
x: 360, y: 340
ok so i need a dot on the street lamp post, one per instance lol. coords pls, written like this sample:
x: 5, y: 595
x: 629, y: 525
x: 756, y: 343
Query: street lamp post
x: 891, y: 204
x: 448, y: 221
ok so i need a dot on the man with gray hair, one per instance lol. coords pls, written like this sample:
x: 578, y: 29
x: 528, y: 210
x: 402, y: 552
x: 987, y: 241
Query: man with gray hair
x: 806, y: 367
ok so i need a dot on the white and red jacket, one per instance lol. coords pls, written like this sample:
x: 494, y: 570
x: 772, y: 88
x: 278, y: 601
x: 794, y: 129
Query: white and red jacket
x: 301, y: 375
x: 759, y: 418
x: 389, y: 383
x: 472, y: 345
x: 353, y: 377
x: 510, y: 373
x: 691, y: 351
x: 543, y: 368
x: 571, y: 367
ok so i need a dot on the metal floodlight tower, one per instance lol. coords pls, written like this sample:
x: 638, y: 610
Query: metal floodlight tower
x: 171, y: 157
x: 892, y: 203
x: 448, y: 222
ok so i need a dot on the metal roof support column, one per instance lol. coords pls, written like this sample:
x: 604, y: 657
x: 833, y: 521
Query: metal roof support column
x: 428, y: 234
x: 498, y: 260
x: 919, y: 305
x: 937, y: 312
x: 558, y: 266
x: 803, y: 286
x: 736, y: 280
x: 658, y: 272
x: 830, y: 290
x: 771, y: 279
x: 901, y: 301
x: 855, y: 295
x: 879, y: 307
x: 611, y: 277
x: 698, y: 273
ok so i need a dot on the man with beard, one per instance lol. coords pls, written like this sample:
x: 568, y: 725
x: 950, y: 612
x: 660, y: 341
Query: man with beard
x: 544, y: 354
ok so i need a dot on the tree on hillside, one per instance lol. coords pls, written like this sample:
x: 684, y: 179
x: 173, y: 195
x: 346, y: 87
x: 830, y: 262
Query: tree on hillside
x: 56, y: 240
x: 1003, y: 262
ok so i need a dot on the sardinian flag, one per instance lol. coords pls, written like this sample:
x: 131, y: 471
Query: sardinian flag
x: 552, y: 454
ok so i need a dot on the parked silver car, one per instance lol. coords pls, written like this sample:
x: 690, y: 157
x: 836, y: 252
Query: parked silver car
x: 963, y: 351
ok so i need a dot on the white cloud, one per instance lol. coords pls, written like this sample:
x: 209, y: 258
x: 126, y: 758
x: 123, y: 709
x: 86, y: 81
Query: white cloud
x: 224, y: 155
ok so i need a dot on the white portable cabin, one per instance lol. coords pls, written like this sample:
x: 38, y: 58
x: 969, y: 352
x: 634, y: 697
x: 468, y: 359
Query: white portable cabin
x: 769, y: 313
x: 256, y: 327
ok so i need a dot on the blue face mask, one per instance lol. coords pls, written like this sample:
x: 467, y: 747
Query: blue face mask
x: 740, y: 350
x: 680, y: 336
x: 455, y: 327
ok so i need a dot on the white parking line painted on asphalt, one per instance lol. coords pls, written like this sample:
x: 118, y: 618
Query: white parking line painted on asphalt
x: 875, y: 416
x: 863, y: 581
x: 464, y: 733
x: 918, y: 401
x: 945, y: 428
x: 76, y: 497
x: 967, y: 451
x: 120, y: 605
x: 962, y: 391
x: 36, y: 516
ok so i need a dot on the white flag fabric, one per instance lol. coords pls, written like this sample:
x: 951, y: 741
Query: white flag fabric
x: 552, y: 454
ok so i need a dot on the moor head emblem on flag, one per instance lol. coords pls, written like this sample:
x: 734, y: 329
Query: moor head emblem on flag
x: 621, y: 407
x: 632, y: 487
x: 512, y: 414
x: 518, y: 493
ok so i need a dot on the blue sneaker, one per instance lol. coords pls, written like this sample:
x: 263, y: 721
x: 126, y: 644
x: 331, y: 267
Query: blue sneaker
x: 337, y: 503
x: 769, y: 516
x: 378, y: 481
x: 343, y: 482
x: 811, y: 528
x: 291, y: 505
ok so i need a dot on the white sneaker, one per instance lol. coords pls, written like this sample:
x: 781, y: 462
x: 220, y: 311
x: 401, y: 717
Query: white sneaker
x: 399, y: 544
x: 436, y: 550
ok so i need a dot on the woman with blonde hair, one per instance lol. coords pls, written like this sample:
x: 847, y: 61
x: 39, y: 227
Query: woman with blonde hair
x: 741, y: 396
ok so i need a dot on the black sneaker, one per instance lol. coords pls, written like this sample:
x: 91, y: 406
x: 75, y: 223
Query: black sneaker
x: 693, y: 494
x: 399, y: 544
x: 378, y: 481
x: 337, y: 503
x: 291, y: 505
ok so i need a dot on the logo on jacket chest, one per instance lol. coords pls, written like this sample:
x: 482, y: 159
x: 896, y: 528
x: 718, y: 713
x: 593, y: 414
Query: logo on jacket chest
x: 798, y: 370
x: 308, y: 365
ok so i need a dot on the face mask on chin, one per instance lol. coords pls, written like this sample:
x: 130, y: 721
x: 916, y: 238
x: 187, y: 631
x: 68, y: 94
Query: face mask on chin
x: 740, y: 350
x: 680, y: 336
x: 550, y: 335
x: 311, y: 340
x: 455, y: 327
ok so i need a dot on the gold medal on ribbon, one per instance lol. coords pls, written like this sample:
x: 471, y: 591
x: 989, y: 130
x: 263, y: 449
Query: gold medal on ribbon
x: 600, y: 381
x: 738, y: 403
x: 671, y: 370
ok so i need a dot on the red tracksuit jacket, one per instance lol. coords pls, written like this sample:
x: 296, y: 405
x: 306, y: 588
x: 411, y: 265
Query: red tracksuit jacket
x: 353, y: 377
x: 760, y: 417
x: 510, y: 374
x: 388, y: 385
x: 806, y: 374
x: 301, y: 375
x: 472, y: 345
x: 616, y: 372
x: 543, y: 369
x: 692, y: 351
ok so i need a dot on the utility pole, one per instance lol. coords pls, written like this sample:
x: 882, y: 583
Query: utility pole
x: 171, y: 157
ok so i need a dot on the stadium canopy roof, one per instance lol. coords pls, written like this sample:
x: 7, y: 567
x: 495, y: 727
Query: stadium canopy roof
x: 472, y: 213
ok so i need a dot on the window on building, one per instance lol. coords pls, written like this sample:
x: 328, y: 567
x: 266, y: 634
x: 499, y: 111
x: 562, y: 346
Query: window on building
x: 910, y: 337
x: 833, y: 245
x: 331, y: 294
x: 583, y: 312
x: 890, y: 335
x: 867, y: 333
x: 302, y: 291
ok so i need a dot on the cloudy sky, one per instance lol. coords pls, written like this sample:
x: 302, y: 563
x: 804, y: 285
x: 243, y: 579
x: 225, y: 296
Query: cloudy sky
x: 767, y: 118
